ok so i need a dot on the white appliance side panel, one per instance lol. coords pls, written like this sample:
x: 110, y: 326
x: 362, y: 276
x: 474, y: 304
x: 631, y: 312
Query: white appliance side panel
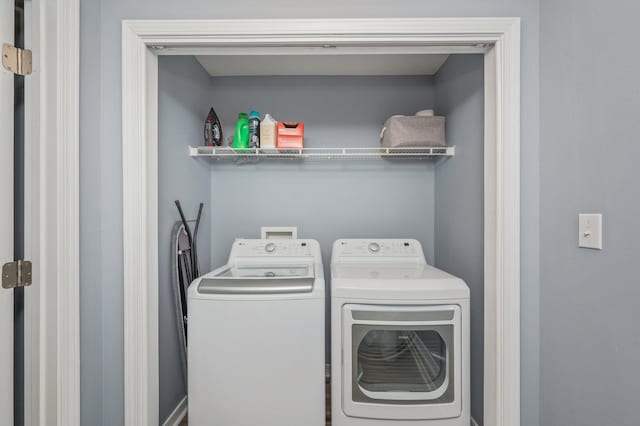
x: 256, y: 362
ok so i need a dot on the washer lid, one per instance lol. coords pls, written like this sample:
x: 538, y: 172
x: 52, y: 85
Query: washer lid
x: 266, y: 271
x: 260, y: 279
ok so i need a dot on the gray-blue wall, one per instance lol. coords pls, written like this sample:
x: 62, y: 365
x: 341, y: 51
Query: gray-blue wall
x: 94, y: 363
x: 326, y: 200
x: 183, y: 102
x: 590, y: 331
x: 459, y: 192
x: 101, y: 263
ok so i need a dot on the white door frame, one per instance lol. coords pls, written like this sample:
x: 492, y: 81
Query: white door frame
x: 7, y: 12
x: 499, y: 38
x: 52, y: 308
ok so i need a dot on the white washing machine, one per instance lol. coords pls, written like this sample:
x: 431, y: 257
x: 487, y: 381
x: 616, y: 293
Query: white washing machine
x: 256, y: 337
x: 400, y: 337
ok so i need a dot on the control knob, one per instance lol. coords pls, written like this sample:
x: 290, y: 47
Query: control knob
x: 374, y: 247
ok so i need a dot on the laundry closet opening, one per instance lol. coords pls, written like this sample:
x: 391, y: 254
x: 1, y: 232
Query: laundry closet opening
x: 344, y: 103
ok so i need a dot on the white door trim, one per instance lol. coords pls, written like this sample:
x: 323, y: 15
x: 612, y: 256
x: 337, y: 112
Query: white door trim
x: 7, y: 12
x: 52, y: 175
x: 143, y: 40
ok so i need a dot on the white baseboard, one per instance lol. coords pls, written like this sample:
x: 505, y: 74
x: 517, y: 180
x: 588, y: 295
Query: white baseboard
x: 177, y: 414
x: 180, y: 411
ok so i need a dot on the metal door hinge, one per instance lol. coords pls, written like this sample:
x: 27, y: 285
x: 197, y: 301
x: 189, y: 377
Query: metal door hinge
x: 16, y: 274
x: 16, y: 60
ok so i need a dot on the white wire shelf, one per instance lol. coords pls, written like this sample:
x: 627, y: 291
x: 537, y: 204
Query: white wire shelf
x: 412, y: 153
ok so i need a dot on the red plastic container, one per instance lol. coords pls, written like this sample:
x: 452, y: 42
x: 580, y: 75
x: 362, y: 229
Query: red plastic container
x: 290, y: 134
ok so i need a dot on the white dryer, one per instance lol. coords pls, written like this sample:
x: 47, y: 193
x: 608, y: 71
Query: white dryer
x: 256, y: 337
x: 400, y: 337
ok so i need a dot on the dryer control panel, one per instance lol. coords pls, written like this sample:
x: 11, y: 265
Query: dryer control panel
x: 275, y: 248
x: 376, y: 248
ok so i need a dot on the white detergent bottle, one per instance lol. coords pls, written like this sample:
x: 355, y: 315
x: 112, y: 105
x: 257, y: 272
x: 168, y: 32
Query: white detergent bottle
x: 268, y: 132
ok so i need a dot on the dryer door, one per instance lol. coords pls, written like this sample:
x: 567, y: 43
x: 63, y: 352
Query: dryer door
x: 402, y: 362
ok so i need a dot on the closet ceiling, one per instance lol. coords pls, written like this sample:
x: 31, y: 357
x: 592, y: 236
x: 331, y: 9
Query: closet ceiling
x: 361, y: 64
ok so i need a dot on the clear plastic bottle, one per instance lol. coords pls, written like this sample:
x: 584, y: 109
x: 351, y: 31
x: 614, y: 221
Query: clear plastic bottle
x: 268, y: 132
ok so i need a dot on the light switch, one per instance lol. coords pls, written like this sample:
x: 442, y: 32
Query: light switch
x: 590, y: 231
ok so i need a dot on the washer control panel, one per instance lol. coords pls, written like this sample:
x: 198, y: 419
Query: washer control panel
x: 376, y: 248
x: 274, y: 248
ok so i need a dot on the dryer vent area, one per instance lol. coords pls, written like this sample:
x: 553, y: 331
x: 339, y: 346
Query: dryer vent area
x: 343, y: 102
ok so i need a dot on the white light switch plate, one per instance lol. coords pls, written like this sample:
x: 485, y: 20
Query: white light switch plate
x: 590, y: 231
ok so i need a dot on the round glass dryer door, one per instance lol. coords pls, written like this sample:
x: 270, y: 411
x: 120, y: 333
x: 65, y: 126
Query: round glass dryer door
x: 401, y: 361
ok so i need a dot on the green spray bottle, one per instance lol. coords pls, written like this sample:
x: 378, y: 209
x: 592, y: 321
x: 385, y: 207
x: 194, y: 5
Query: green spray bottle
x: 241, y: 137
